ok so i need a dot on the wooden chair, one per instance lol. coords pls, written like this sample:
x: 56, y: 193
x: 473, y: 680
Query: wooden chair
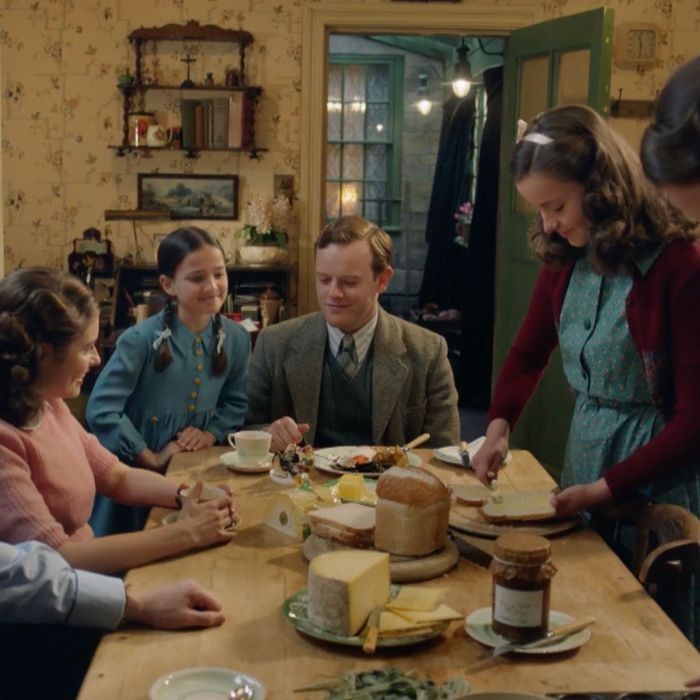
x: 667, y: 555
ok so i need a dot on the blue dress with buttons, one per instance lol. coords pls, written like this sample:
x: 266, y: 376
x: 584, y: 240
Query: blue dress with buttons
x: 133, y: 407
x: 613, y: 413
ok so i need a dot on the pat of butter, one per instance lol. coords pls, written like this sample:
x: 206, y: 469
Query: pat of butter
x: 287, y: 512
x: 351, y: 487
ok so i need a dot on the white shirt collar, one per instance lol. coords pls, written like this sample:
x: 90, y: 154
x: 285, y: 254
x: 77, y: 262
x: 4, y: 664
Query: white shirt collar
x: 363, y: 338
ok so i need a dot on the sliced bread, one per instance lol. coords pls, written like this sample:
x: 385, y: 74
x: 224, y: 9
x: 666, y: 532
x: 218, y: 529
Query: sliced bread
x: 516, y: 506
x: 350, y: 524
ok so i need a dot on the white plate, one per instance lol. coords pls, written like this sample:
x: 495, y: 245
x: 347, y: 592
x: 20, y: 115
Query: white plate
x: 206, y: 683
x: 451, y: 454
x: 501, y: 696
x: 324, y: 460
x: 232, y: 461
x: 478, y: 626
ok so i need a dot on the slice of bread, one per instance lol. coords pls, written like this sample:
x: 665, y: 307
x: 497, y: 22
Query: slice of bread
x: 350, y: 524
x: 517, y: 506
x: 471, y: 494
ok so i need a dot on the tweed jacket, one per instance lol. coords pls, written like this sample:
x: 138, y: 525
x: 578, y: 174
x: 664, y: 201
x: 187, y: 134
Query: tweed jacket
x: 413, y: 388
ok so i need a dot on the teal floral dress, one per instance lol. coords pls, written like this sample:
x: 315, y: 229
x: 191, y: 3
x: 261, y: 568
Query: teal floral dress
x: 613, y: 413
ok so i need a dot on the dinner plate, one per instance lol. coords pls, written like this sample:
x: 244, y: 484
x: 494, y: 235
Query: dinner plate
x: 295, y: 610
x: 478, y: 626
x: 451, y: 454
x: 205, y: 683
x: 231, y: 460
x: 324, y: 460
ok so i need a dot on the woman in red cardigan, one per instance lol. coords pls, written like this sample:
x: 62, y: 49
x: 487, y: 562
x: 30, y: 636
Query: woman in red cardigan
x: 618, y: 292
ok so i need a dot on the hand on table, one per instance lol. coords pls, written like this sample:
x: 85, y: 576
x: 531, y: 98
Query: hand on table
x: 192, y: 439
x: 207, y: 522
x: 285, y: 431
x: 174, y: 606
x: 157, y: 461
x: 574, y: 499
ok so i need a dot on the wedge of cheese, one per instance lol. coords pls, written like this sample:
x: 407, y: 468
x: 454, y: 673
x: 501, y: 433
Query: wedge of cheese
x: 412, y: 598
x: 344, y: 587
x: 516, y: 506
x: 287, y: 512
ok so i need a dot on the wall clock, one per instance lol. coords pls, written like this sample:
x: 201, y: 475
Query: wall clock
x: 637, y: 45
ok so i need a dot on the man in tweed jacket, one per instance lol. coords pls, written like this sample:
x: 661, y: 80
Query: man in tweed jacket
x: 394, y: 382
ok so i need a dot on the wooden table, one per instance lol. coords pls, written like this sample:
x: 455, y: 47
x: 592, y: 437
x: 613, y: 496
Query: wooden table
x: 634, y: 646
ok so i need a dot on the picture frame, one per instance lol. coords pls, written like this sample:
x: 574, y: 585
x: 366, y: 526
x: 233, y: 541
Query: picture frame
x: 185, y: 196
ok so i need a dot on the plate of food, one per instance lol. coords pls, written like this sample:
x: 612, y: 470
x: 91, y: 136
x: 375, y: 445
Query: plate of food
x: 295, y: 609
x: 478, y: 626
x: 368, y: 461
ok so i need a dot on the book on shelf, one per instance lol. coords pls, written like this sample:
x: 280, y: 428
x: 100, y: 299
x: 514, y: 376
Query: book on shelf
x: 219, y: 123
x: 237, y: 113
x: 187, y: 109
x: 215, y: 123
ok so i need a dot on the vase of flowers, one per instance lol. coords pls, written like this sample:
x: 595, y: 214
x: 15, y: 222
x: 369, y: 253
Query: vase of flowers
x: 263, y: 240
x: 463, y: 223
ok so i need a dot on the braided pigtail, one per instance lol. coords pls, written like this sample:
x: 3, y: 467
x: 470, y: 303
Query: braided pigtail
x: 219, y: 359
x: 19, y: 362
x: 163, y: 357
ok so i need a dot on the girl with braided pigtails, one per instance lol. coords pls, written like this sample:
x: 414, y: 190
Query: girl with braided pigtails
x: 177, y: 380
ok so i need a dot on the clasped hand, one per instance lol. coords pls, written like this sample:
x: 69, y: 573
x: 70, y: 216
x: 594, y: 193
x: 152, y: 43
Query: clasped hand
x: 209, y: 522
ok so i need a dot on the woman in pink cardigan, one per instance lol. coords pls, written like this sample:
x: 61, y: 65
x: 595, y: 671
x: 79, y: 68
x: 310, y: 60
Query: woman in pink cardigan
x: 50, y: 467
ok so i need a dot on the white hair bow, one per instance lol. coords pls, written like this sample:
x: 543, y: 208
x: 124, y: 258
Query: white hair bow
x: 161, y: 338
x: 220, y: 337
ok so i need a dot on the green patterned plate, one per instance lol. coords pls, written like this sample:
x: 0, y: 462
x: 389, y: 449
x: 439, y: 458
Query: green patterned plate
x: 295, y: 610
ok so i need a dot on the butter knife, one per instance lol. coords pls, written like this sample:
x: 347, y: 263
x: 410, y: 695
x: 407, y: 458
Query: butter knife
x: 555, y: 635
x: 464, y: 454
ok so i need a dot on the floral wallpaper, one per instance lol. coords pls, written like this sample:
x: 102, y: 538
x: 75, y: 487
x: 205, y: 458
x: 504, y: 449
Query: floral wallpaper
x: 61, y: 111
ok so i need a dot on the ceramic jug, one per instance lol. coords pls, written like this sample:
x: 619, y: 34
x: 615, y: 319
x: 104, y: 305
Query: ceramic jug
x: 138, y: 127
x: 158, y: 136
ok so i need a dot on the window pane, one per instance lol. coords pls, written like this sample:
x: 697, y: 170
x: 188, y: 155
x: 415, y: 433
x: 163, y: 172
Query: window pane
x: 572, y: 83
x: 354, y: 88
x: 350, y: 198
x: 375, y: 208
x: 332, y: 200
x: 333, y: 161
x: 378, y: 82
x: 353, y: 162
x: 333, y: 121
x: 376, y: 162
x: 335, y: 73
x: 353, y: 121
x: 377, y: 122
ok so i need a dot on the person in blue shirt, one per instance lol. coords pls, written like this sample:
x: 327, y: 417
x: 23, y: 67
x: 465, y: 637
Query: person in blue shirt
x: 177, y: 380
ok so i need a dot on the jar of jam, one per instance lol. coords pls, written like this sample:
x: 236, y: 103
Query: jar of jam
x: 522, y: 573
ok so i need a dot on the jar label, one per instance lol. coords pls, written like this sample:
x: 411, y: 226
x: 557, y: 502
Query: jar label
x: 517, y: 608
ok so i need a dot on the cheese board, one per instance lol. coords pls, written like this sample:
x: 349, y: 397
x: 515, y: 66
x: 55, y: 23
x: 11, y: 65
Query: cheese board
x: 295, y: 609
x: 469, y: 519
x: 403, y: 569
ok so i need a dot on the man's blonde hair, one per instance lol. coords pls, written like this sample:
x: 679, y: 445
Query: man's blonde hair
x: 348, y: 229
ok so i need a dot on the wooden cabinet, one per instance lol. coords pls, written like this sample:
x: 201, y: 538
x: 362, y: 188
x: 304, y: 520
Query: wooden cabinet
x: 237, y: 86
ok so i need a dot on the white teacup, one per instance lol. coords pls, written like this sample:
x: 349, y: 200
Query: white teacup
x: 253, y: 446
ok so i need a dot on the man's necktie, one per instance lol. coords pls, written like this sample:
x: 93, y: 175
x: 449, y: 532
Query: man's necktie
x: 347, y: 355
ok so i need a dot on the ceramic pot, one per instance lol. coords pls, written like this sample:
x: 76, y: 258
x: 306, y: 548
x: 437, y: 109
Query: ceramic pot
x: 262, y: 255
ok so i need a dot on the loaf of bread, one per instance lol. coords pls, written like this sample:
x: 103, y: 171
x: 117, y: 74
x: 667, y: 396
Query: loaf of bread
x: 471, y: 494
x: 345, y: 587
x: 350, y: 524
x: 518, y: 506
x: 413, y: 508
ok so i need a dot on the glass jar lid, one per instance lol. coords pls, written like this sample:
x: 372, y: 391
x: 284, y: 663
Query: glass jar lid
x: 521, y: 548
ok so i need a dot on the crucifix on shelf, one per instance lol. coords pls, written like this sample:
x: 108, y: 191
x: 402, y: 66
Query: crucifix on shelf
x: 188, y: 60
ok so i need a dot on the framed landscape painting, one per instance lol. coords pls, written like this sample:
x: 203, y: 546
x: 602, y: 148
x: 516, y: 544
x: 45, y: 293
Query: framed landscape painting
x: 190, y: 196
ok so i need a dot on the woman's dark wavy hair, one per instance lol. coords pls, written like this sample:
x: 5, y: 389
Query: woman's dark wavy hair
x: 671, y: 143
x: 628, y: 215
x: 37, y: 305
x: 174, y: 248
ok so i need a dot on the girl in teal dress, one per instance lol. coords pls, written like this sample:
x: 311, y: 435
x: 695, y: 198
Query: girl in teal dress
x: 621, y: 272
x: 176, y: 382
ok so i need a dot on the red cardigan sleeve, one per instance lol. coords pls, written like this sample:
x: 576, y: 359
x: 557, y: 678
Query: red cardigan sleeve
x: 533, y: 346
x: 672, y: 295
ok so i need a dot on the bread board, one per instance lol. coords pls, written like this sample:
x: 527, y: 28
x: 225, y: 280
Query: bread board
x: 470, y: 520
x: 403, y: 569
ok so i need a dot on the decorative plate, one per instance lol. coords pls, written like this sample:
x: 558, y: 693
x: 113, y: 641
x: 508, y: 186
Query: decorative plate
x: 325, y: 460
x: 206, y: 682
x: 295, y: 610
x: 478, y: 626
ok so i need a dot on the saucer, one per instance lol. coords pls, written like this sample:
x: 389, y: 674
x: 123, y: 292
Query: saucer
x: 231, y: 460
x: 478, y: 626
x: 205, y: 682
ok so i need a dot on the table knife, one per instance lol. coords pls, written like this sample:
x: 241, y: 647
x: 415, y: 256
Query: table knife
x: 464, y: 454
x: 550, y: 637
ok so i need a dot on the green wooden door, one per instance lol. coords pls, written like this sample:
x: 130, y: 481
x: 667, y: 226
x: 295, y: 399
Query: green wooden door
x: 562, y: 61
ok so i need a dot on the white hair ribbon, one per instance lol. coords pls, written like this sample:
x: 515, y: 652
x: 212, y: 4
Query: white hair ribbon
x: 161, y: 338
x: 520, y: 131
x: 535, y: 137
x: 220, y: 337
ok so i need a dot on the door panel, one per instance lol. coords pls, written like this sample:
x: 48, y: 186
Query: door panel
x: 561, y: 61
